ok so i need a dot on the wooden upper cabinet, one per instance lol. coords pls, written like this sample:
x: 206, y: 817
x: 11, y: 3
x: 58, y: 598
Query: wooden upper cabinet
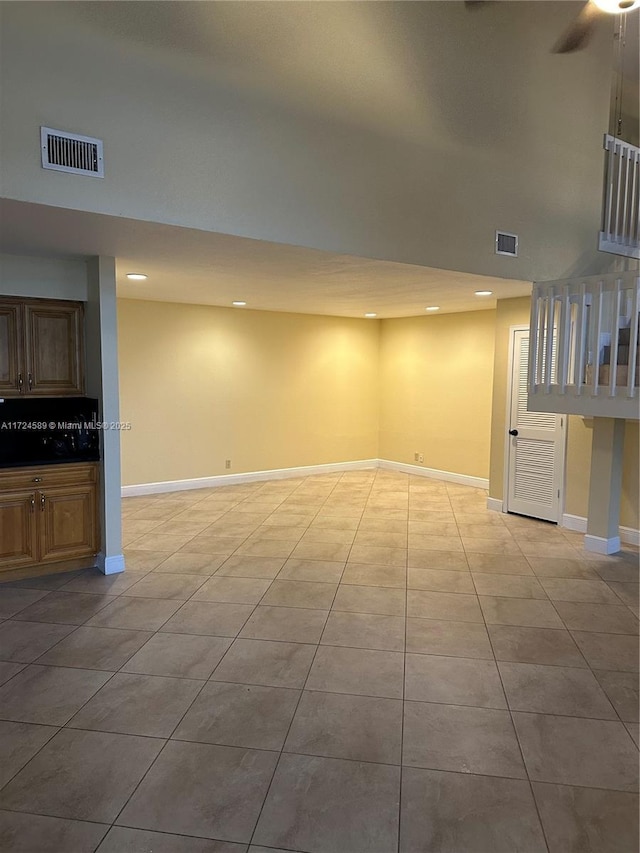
x: 54, y: 347
x: 11, y: 358
x: 41, y: 347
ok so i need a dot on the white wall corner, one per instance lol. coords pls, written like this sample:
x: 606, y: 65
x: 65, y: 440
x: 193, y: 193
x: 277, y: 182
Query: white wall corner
x: 110, y: 565
x: 495, y: 505
x: 600, y: 545
x: 434, y: 473
x: 574, y: 522
x: 303, y: 471
x: 248, y: 477
x: 628, y: 535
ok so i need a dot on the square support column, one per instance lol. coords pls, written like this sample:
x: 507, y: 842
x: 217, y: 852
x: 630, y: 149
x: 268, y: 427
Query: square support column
x: 102, y: 382
x: 603, y: 534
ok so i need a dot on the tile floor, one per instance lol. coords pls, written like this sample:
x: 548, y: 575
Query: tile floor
x: 357, y: 663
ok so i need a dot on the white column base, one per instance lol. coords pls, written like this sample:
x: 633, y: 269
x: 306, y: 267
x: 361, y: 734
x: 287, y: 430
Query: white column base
x: 110, y: 565
x: 600, y: 545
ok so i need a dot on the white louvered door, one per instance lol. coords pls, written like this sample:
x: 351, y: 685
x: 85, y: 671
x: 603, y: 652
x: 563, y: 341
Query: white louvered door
x: 535, y: 457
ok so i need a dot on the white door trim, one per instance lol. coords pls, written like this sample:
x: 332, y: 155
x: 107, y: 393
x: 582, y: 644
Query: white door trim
x: 507, y: 438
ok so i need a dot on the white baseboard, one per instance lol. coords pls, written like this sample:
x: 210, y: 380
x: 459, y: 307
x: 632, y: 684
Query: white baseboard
x: 303, y: 471
x: 249, y: 477
x: 600, y: 545
x: 495, y: 504
x: 574, y: 522
x: 628, y: 535
x: 434, y: 473
x: 110, y: 565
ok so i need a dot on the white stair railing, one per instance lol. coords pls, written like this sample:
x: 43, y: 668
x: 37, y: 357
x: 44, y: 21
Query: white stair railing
x: 584, y: 346
x: 621, y: 214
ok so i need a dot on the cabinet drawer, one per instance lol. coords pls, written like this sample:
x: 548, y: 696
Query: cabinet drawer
x: 48, y: 475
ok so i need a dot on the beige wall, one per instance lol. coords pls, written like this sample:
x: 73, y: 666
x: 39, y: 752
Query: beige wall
x: 435, y: 390
x: 368, y: 137
x: 513, y: 312
x: 201, y: 385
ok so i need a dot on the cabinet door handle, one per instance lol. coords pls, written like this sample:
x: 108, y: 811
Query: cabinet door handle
x: 20, y: 382
x: 30, y: 380
x: 33, y: 503
x: 42, y: 501
x: 37, y: 479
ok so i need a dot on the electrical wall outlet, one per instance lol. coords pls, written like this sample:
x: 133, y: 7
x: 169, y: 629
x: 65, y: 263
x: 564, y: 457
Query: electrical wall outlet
x: 416, y: 456
x: 420, y: 457
x: 227, y: 463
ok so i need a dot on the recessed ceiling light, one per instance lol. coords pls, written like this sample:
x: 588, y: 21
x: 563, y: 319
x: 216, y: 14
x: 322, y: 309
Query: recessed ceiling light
x: 484, y: 292
x: 239, y: 304
x: 136, y: 276
x: 370, y: 314
x: 433, y: 308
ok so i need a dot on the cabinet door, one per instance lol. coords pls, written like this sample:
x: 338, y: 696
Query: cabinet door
x: 11, y: 367
x: 67, y: 522
x: 54, y: 348
x: 18, y: 540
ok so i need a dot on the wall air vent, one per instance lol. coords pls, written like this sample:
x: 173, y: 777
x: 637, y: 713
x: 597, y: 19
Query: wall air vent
x: 506, y: 244
x: 70, y: 152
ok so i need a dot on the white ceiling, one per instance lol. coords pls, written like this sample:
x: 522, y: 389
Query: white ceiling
x: 201, y: 267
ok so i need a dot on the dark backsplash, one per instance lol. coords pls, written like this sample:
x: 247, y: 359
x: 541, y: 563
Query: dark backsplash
x: 48, y: 430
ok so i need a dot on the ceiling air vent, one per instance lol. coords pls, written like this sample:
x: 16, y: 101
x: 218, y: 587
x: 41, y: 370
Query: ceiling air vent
x: 506, y: 244
x: 70, y: 152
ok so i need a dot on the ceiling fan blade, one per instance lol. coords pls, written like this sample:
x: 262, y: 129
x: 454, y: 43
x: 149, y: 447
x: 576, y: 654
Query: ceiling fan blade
x: 579, y: 33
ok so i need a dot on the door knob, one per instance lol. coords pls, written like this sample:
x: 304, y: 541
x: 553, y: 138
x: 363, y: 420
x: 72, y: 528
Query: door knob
x: 513, y: 432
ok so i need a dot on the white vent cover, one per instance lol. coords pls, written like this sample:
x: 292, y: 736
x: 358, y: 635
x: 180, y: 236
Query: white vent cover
x: 70, y: 152
x: 506, y: 244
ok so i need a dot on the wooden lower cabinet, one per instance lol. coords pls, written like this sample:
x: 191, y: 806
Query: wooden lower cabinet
x: 67, y: 522
x: 18, y: 541
x: 47, y: 515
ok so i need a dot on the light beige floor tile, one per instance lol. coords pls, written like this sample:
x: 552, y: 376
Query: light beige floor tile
x: 369, y: 599
x: 301, y: 594
x: 574, y: 751
x: 551, y: 646
x: 494, y: 564
x: 436, y: 543
x: 233, y: 590
x: 457, y: 639
x: 364, y: 631
x: 290, y: 624
x: 508, y: 586
x: 244, y: 566
x: 555, y: 690
x: 267, y: 547
x: 333, y: 551
x: 362, y: 574
x: 451, y: 561
x: 376, y: 555
x: 457, y: 607
x: 569, y: 589
x: 600, y: 618
x: 527, y: 613
x: 324, y: 534
x: 190, y: 564
x: 453, y: 681
x: 440, y: 581
x: 475, y: 545
x: 561, y: 567
x: 311, y: 570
